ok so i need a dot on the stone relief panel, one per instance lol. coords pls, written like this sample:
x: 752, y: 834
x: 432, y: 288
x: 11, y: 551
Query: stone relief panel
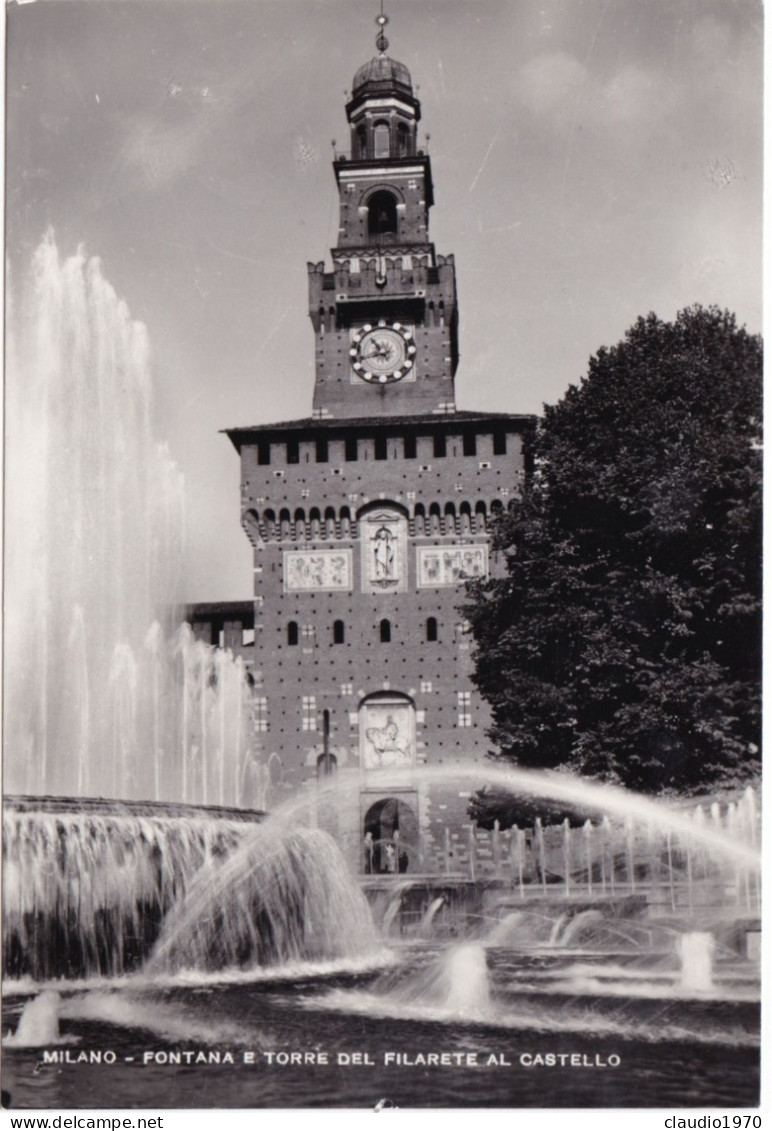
x: 317, y: 570
x: 386, y: 733
x: 383, y: 536
x: 441, y: 566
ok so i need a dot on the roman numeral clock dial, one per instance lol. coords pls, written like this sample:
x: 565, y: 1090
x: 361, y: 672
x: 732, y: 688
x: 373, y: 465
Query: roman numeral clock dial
x: 383, y: 353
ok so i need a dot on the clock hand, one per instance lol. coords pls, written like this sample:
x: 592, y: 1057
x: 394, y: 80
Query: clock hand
x: 380, y: 349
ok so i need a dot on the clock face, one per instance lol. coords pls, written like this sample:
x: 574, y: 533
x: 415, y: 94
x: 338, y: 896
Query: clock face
x: 382, y: 353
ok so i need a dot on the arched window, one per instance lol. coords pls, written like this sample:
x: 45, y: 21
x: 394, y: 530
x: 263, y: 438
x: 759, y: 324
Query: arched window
x: 251, y: 522
x: 361, y: 142
x: 382, y: 214
x: 385, y: 630
x: 403, y: 140
x: 431, y: 629
x: 292, y: 632
x: 381, y: 139
x: 338, y: 632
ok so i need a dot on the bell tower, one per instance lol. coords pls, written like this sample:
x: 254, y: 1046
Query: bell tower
x: 385, y: 318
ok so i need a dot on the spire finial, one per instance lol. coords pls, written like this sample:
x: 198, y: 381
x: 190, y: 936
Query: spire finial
x: 381, y: 42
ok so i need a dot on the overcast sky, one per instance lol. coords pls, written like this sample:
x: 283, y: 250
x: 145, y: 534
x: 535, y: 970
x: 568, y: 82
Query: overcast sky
x: 592, y: 159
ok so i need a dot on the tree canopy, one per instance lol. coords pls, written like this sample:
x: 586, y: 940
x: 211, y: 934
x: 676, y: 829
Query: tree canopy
x: 624, y: 641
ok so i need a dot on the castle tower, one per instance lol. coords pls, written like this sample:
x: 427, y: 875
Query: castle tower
x: 385, y: 318
x: 368, y: 517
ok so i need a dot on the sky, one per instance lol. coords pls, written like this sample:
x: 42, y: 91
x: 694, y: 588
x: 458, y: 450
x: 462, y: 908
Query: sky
x: 593, y: 160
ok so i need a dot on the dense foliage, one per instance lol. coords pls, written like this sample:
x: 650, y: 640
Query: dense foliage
x: 624, y: 641
x: 494, y: 804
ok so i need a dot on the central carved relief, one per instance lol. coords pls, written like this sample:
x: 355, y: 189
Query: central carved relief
x: 383, y: 535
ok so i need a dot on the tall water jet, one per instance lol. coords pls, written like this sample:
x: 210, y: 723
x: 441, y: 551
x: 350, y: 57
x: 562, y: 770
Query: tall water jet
x: 465, y: 970
x: 428, y: 916
x: 94, y: 687
x: 695, y: 951
x: 38, y: 1024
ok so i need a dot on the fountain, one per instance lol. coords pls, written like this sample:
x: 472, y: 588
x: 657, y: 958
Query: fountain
x: 281, y: 896
x: 104, y: 696
x: 85, y: 893
x: 272, y: 932
x: 465, y: 974
x: 38, y: 1024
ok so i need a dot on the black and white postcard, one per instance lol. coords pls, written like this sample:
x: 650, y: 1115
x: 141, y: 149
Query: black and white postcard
x: 382, y: 605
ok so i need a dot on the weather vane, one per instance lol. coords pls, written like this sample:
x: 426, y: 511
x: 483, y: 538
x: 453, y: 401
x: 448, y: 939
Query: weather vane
x: 381, y: 42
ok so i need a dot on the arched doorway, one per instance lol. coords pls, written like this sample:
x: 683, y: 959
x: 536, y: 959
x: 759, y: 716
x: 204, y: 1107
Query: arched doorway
x: 390, y: 837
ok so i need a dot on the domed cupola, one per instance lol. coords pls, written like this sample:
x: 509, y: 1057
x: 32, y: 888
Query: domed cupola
x: 382, y: 75
x: 383, y: 113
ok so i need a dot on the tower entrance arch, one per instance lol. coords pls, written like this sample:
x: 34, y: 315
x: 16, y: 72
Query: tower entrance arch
x: 390, y: 836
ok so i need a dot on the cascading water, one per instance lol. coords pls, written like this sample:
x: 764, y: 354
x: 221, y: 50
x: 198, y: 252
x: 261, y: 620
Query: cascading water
x: 92, y: 895
x: 101, y: 696
x: 85, y: 894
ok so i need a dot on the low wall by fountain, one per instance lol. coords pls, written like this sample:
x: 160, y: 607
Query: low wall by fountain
x: 90, y: 805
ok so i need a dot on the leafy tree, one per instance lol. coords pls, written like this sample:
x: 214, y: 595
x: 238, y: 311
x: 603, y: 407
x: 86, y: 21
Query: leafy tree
x: 493, y: 803
x: 624, y: 641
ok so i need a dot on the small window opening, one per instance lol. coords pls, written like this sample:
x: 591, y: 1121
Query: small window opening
x: 351, y: 448
x: 339, y: 632
x: 410, y: 447
x: 293, y: 451
x: 470, y: 444
x: 292, y: 633
x: 439, y: 444
x: 385, y: 630
x: 322, y: 451
x: 380, y: 447
x: 381, y: 139
x: 431, y: 629
x: 382, y: 214
x: 403, y: 140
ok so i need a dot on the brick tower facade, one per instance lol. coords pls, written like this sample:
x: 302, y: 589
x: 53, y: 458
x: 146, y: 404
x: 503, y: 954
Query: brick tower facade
x: 367, y: 517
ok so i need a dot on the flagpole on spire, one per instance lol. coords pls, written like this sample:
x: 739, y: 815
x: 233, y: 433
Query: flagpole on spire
x: 381, y: 42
